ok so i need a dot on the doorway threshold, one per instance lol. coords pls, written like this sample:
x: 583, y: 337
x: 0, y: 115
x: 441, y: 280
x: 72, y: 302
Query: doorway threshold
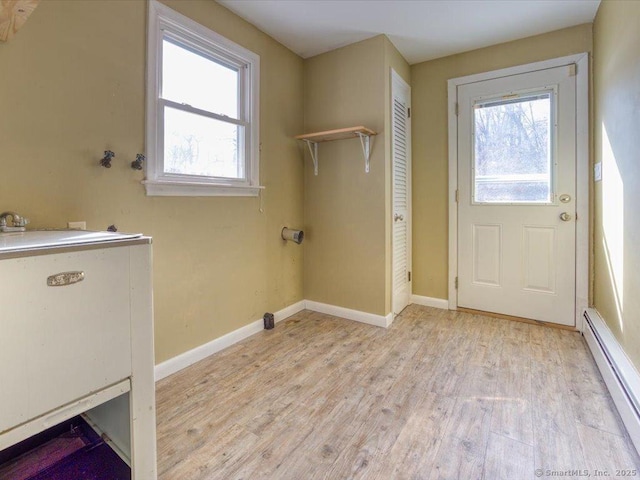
x: 518, y: 319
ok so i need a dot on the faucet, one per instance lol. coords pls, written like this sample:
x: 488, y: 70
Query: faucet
x: 19, y: 222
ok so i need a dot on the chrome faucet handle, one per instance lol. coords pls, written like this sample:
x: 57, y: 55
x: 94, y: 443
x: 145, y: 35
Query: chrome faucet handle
x: 4, y: 215
x: 19, y: 221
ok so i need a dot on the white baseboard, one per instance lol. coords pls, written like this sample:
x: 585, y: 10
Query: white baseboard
x: 621, y: 377
x: 357, y: 315
x: 177, y: 363
x: 286, y: 312
x: 192, y: 356
x: 430, y: 302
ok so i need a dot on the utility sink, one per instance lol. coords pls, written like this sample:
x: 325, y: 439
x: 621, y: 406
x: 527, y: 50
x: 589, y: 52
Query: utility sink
x: 33, y: 239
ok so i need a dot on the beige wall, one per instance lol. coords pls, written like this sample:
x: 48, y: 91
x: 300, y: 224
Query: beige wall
x: 430, y: 152
x: 344, y: 257
x: 346, y: 210
x: 616, y: 75
x: 73, y: 85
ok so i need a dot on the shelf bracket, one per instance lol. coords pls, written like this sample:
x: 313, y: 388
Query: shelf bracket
x: 313, y: 150
x: 365, y: 141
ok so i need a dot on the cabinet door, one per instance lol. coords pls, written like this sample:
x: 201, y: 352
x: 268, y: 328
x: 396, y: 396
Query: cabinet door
x: 60, y: 343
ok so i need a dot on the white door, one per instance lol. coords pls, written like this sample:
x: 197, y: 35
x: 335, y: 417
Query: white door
x: 401, y: 195
x: 516, y: 195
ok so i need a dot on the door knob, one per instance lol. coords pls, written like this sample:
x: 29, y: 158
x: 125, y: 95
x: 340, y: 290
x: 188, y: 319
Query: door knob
x: 565, y: 217
x: 397, y: 217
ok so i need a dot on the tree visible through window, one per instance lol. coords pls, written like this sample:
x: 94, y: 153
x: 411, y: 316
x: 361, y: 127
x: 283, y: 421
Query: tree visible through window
x: 196, y: 143
x: 512, y: 150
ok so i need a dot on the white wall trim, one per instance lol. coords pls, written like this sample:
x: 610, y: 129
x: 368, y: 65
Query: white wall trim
x: 349, y: 314
x: 442, y: 303
x: 286, y: 312
x: 582, y: 170
x: 452, y: 92
x: 619, y: 374
x: 175, y: 364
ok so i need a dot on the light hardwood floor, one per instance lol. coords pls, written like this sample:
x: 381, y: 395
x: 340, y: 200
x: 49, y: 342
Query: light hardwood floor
x: 438, y: 395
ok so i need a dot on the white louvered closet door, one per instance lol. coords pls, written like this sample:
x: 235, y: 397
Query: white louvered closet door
x: 401, y: 195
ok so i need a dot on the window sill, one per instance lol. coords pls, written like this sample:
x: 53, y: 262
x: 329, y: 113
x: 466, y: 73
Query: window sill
x: 182, y: 189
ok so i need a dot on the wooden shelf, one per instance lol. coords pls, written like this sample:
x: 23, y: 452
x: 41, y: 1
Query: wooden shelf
x: 363, y: 133
x: 13, y: 14
x: 339, y: 134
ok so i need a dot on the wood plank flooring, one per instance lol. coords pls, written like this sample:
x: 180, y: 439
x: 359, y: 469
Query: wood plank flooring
x: 438, y: 395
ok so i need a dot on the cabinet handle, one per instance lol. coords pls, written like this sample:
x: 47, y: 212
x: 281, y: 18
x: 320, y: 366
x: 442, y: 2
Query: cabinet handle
x: 64, y: 279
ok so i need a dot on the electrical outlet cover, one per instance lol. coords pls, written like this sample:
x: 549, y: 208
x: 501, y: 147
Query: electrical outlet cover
x: 77, y: 225
x: 597, y: 172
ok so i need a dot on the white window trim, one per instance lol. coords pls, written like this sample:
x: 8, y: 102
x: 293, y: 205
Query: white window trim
x: 159, y: 183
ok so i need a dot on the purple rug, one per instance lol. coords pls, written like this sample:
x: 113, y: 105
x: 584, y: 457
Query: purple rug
x: 69, y: 451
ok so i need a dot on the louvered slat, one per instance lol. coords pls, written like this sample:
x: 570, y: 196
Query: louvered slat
x: 400, y: 194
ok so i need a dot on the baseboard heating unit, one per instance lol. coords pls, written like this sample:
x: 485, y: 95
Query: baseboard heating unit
x: 621, y: 377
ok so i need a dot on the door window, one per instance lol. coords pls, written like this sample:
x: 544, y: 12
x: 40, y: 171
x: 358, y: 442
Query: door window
x: 513, y: 154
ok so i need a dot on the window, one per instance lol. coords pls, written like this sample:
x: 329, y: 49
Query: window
x: 202, y: 110
x: 512, y: 149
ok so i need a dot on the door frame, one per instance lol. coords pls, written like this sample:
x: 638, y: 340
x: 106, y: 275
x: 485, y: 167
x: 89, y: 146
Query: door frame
x: 396, y: 81
x: 581, y: 61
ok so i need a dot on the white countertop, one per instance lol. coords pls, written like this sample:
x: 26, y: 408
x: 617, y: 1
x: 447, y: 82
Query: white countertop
x: 37, y: 239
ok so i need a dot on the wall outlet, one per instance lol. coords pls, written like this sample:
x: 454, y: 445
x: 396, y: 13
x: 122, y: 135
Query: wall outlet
x: 597, y: 172
x: 77, y: 225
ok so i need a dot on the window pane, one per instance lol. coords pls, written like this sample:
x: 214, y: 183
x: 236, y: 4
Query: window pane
x: 197, y: 145
x: 190, y: 78
x: 512, y: 150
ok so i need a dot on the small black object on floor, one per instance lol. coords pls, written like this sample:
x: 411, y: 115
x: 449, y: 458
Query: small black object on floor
x: 269, y: 321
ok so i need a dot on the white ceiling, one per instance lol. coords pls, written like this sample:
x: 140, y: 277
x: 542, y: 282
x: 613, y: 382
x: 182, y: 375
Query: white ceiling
x: 420, y: 29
